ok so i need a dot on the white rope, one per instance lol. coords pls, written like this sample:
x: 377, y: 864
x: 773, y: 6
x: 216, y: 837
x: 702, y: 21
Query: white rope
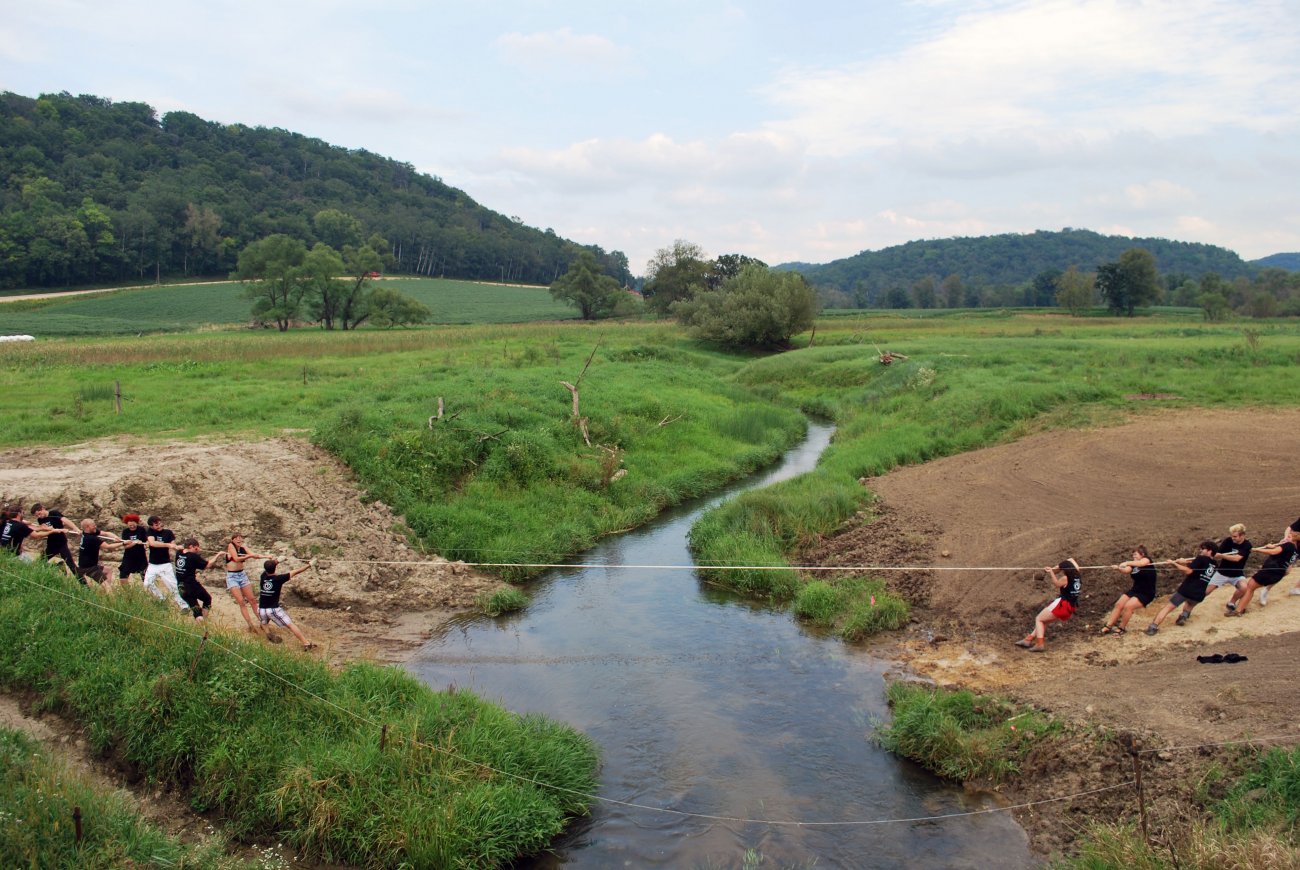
x: 593, y: 798
x: 702, y: 566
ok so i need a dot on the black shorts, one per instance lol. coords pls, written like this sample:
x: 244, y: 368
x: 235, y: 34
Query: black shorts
x: 126, y: 569
x: 94, y: 572
x: 192, y: 592
x: 1146, y: 596
x: 1269, y: 577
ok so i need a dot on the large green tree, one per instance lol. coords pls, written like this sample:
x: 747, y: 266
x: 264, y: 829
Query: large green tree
x: 271, y: 269
x: 1075, y: 290
x: 587, y: 288
x: 674, y: 274
x: 1130, y: 282
x: 759, y: 308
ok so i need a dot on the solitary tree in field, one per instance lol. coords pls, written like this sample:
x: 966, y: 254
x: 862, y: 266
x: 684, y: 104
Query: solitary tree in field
x: 759, y: 308
x: 271, y: 269
x: 1075, y: 290
x: 1129, y: 283
x: 586, y: 287
x: 361, y: 263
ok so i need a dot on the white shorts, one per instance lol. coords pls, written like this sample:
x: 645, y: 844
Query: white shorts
x: 278, y: 615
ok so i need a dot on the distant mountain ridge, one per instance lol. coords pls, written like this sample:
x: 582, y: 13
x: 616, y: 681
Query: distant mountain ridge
x: 1290, y: 262
x: 97, y: 191
x: 1010, y: 259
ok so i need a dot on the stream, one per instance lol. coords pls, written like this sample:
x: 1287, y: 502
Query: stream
x: 724, y: 711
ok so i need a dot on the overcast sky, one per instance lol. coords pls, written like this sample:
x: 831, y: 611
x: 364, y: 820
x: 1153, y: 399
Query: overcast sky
x: 785, y: 131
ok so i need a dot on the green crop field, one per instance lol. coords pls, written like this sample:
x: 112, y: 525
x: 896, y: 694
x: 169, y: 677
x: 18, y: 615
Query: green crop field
x: 186, y: 307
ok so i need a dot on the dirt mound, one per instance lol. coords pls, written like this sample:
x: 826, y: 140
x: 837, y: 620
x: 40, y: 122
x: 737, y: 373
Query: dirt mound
x: 289, y: 499
x: 1166, y: 481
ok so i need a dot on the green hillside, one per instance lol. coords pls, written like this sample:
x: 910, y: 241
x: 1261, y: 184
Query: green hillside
x: 1011, y: 258
x: 96, y: 192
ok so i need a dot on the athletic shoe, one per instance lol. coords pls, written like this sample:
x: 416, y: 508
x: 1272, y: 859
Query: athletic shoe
x: 1182, y: 618
x: 1235, y: 612
x: 1024, y: 643
x: 1296, y: 591
x: 1038, y: 647
x: 1263, y: 596
x: 1231, y: 608
x: 1152, y: 629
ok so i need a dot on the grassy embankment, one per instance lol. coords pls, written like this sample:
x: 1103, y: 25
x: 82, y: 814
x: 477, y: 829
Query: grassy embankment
x: 505, y: 476
x: 38, y: 798
x: 186, y: 307
x: 1246, y: 821
x: 282, y: 748
x: 968, y: 382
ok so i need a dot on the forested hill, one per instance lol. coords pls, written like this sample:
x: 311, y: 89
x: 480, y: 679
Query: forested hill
x: 101, y: 191
x: 1010, y: 259
x: 1290, y: 262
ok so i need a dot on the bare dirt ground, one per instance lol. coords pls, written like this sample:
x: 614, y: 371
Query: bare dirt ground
x: 1167, y: 481
x: 290, y: 500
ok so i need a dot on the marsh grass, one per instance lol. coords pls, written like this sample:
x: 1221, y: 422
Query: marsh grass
x: 960, y: 735
x: 281, y: 746
x: 504, y: 600
x: 38, y: 796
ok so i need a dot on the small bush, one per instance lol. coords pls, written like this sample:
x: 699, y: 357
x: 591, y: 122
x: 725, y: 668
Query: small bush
x: 819, y: 602
x: 507, y: 599
x: 960, y: 735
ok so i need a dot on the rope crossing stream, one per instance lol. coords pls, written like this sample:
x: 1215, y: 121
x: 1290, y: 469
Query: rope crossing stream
x: 206, y: 638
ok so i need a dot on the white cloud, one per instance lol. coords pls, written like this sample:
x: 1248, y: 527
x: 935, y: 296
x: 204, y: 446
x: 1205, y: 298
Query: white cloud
x: 559, y: 50
x: 1157, y: 194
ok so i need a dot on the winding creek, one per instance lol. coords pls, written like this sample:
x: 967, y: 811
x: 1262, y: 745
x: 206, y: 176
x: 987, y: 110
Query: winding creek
x: 721, y: 710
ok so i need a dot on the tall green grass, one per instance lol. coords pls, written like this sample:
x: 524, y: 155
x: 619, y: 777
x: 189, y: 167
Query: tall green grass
x: 960, y: 735
x: 281, y: 746
x: 38, y: 798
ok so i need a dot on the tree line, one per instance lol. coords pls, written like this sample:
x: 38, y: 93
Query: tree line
x: 992, y: 269
x: 1131, y: 281
x: 733, y: 300
x: 94, y: 192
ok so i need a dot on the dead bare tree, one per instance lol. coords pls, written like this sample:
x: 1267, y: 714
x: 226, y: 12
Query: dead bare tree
x: 579, y: 420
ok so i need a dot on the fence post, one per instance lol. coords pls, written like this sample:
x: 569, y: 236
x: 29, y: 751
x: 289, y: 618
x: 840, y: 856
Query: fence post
x: 383, y: 737
x: 117, y: 395
x: 76, y: 822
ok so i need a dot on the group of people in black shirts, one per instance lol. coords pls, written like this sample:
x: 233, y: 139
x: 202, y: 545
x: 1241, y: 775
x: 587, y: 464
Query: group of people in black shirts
x: 166, y: 568
x: 1214, y: 565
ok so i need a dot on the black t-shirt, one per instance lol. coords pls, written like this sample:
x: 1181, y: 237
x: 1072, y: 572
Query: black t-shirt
x: 56, y: 542
x: 1144, y: 579
x: 1194, y: 584
x: 161, y: 555
x: 88, y: 550
x: 134, y: 555
x: 188, y: 565
x: 13, y: 534
x: 1228, y: 547
x: 269, y: 590
x: 1282, y: 560
x: 1071, y: 591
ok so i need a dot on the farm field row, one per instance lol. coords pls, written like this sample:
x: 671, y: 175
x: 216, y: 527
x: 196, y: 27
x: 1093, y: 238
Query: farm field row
x: 187, y: 307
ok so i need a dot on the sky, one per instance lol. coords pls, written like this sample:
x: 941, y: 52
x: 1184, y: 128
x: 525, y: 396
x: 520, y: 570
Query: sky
x: 788, y: 132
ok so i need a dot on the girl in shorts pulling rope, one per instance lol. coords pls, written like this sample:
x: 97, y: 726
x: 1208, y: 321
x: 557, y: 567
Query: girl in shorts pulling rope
x: 237, y: 582
x: 1069, y: 582
x: 1139, y: 595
